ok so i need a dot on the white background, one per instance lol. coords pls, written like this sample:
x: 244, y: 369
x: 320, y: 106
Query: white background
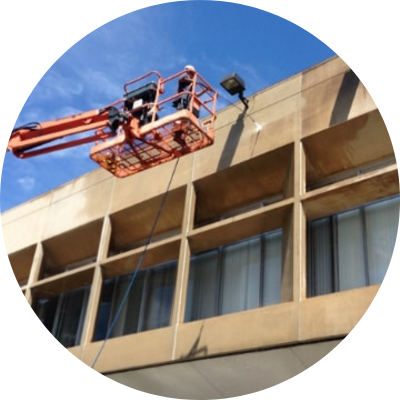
x: 34, y: 34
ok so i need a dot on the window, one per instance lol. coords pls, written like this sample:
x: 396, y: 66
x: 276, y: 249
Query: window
x: 63, y: 315
x: 352, y: 249
x: 148, y: 305
x: 236, y: 277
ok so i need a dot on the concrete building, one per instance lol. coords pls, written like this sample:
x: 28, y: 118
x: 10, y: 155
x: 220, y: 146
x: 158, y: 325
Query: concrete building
x: 270, y: 248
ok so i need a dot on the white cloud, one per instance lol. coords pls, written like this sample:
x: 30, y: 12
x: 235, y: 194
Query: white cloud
x: 30, y: 114
x: 26, y: 183
x: 67, y: 111
x: 97, y: 81
x: 54, y: 85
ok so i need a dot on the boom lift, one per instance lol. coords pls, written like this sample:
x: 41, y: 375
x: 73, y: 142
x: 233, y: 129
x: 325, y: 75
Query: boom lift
x: 150, y: 125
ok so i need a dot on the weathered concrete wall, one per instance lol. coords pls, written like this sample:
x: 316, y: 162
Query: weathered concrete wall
x: 319, y: 131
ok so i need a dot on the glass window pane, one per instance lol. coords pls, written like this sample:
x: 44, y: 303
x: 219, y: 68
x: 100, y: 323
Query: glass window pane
x: 46, y: 309
x: 202, y: 286
x: 381, y: 220
x: 272, y: 268
x: 133, y: 306
x: 350, y: 250
x: 320, y: 260
x: 121, y: 286
x: 103, y: 314
x: 353, y: 251
x: 128, y: 316
x: 240, y: 279
x: 159, y: 296
x: 71, y: 312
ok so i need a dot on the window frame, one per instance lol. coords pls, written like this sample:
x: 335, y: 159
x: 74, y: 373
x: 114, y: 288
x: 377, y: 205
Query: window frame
x: 220, y: 271
x: 57, y: 320
x: 312, y: 290
x: 145, y: 275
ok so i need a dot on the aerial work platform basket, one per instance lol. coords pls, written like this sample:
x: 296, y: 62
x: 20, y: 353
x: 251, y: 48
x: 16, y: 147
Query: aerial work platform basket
x: 162, y: 126
x: 156, y: 121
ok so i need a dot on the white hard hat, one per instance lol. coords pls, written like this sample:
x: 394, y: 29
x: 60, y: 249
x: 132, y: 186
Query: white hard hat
x: 189, y: 68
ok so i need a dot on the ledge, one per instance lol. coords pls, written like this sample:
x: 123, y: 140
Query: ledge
x: 240, y: 227
x: 157, y: 253
x: 64, y: 282
x: 351, y: 192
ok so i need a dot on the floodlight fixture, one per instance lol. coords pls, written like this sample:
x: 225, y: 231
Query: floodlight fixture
x: 234, y: 84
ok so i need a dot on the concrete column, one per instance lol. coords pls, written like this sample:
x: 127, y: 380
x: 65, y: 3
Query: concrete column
x: 179, y: 302
x: 299, y: 224
x: 92, y: 306
x: 34, y: 274
x: 287, y: 259
x: 97, y: 282
x: 105, y: 238
x: 178, y: 309
x: 293, y: 242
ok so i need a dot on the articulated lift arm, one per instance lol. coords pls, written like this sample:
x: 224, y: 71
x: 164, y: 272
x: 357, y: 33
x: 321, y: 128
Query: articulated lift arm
x: 150, y: 125
x: 26, y: 141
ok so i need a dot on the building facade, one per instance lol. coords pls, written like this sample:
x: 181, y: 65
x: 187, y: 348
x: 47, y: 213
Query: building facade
x: 269, y: 249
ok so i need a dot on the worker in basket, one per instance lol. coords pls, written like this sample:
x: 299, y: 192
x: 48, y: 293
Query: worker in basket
x: 185, y: 84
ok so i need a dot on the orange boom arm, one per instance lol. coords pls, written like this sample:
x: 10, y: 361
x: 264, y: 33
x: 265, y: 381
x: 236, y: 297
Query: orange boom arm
x: 25, y: 141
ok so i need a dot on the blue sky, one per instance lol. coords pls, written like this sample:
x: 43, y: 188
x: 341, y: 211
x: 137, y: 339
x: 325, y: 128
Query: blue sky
x: 216, y: 37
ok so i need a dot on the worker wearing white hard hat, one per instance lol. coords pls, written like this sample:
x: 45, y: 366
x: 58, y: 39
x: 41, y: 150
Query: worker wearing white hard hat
x: 185, y: 85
